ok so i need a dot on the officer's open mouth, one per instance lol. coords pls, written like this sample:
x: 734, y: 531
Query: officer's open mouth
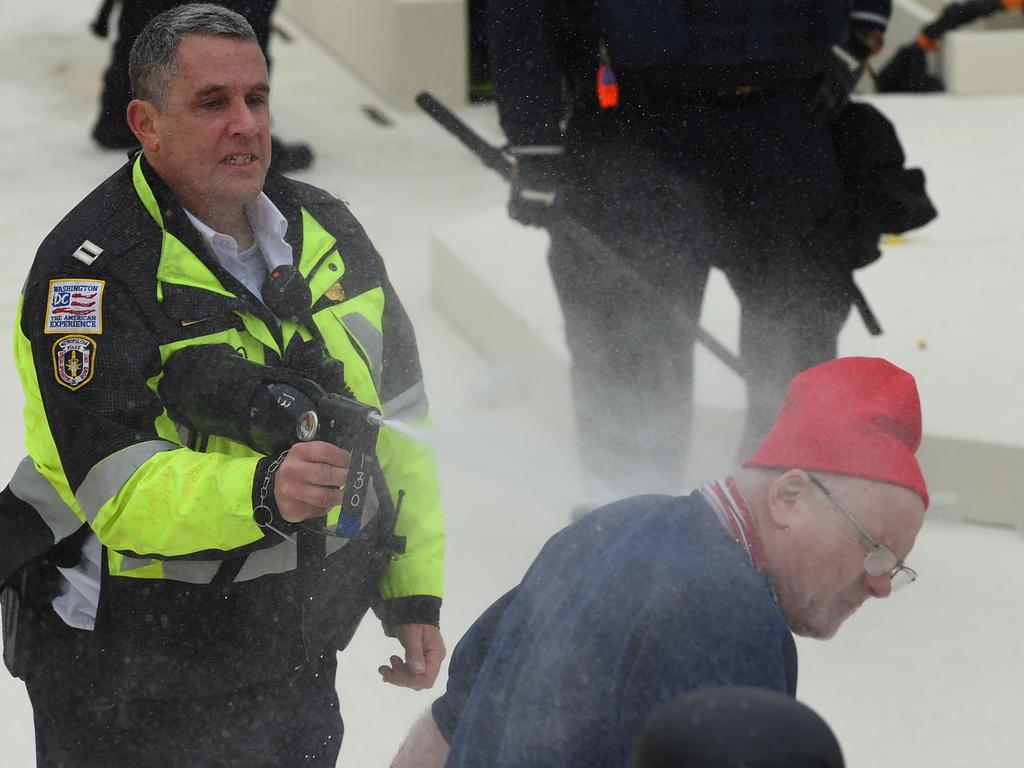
x: 238, y: 159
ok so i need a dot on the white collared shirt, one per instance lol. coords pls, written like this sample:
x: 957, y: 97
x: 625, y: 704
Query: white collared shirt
x: 251, y: 266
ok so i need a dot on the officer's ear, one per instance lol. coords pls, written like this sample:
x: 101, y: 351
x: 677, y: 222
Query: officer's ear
x: 143, y: 118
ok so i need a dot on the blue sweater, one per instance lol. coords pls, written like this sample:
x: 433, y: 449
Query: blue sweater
x: 640, y: 601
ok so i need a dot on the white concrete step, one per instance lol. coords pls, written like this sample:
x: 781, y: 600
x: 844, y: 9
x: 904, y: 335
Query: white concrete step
x: 398, y: 47
x: 984, y: 61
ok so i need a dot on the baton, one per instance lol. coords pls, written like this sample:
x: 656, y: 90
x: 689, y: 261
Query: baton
x: 581, y: 236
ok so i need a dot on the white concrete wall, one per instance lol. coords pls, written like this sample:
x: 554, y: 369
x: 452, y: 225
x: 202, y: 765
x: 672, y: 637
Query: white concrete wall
x: 398, y: 47
x: 984, y: 61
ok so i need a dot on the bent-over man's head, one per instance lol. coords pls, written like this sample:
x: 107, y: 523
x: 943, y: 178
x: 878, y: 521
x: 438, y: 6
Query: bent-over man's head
x: 837, y: 491
x: 202, y: 107
x: 736, y: 726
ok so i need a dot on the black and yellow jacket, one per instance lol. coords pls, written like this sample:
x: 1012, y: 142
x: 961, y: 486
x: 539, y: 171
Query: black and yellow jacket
x: 192, y: 588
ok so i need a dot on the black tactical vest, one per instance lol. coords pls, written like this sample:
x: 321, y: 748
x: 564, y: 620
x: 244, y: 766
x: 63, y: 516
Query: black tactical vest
x: 730, y: 34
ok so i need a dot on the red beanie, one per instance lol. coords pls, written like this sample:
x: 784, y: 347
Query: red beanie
x: 857, y: 416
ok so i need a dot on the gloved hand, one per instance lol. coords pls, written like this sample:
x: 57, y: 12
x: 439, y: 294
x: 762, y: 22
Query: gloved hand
x: 831, y: 90
x: 865, y: 40
x: 536, y: 183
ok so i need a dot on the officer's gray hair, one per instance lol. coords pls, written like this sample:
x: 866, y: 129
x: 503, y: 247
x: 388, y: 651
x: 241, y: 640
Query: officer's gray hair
x: 153, y: 61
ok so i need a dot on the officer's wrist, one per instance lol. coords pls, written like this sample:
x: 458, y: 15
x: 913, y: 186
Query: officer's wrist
x: 420, y: 609
x: 265, y: 512
x: 865, y: 41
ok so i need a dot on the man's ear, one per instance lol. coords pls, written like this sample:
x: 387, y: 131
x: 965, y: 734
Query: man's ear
x: 143, y: 118
x: 783, y: 495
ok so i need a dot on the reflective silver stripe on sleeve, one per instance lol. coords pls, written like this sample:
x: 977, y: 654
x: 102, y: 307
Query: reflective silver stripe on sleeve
x: 371, y: 340
x: 370, y: 509
x: 106, y: 478
x: 36, y: 491
x: 192, y: 571
x: 277, y: 559
x: 408, y: 405
x: 189, y: 571
x: 134, y: 563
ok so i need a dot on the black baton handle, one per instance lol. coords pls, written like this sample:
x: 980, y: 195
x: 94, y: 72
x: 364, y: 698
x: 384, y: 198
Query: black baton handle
x: 491, y: 156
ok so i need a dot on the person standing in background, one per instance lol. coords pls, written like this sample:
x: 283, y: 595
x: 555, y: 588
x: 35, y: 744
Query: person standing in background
x: 685, y: 135
x: 111, y: 130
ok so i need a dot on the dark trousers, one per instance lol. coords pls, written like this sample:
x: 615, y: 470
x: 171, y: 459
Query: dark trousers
x: 747, y: 185
x: 81, y: 722
x: 134, y: 15
x: 631, y: 347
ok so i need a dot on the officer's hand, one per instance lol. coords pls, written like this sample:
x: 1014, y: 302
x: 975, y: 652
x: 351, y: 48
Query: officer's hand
x: 846, y: 64
x: 831, y: 90
x: 536, y: 182
x: 424, y: 652
x: 308, y: 482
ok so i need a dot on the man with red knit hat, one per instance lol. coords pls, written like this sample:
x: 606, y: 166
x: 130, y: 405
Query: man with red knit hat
x: 653, y: 596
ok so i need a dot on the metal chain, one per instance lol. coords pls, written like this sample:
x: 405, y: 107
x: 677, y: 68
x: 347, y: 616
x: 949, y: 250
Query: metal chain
x: 264, y: 492
x: 263, y: 510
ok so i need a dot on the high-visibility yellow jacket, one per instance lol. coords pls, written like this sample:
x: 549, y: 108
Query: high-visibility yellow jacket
x: 188, y: 576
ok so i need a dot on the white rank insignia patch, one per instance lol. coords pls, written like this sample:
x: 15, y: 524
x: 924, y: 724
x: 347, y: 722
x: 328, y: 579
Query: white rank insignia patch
x: 74, y: 360
x: 87, y: 253
x: 75, y: 306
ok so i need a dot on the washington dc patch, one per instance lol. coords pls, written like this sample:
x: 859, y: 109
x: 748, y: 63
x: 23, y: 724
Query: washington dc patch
x: 75, y: 306
x: 74, y: 360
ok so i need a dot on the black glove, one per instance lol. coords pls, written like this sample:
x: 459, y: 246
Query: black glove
x: 831, y: 90
x: 865, y: 40
x: 310, y: 359
x: 536, y: 185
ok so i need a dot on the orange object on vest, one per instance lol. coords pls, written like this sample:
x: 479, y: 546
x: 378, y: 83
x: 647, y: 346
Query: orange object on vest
x: 925, y: 43
x: 607, y: 87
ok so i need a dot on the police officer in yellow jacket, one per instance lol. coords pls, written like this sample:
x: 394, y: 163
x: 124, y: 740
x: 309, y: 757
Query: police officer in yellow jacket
x: 200, y: 623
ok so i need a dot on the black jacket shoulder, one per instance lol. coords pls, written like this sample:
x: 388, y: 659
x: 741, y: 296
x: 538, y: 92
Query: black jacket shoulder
x: 109, y: 223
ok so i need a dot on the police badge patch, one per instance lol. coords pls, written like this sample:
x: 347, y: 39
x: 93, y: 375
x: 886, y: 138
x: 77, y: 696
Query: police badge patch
x: 74, y: 360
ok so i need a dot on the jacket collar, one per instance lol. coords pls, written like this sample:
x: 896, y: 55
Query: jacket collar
x: 164, y: 208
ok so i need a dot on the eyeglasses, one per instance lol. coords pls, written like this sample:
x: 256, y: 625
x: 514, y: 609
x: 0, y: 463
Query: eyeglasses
x: 881, y: 560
